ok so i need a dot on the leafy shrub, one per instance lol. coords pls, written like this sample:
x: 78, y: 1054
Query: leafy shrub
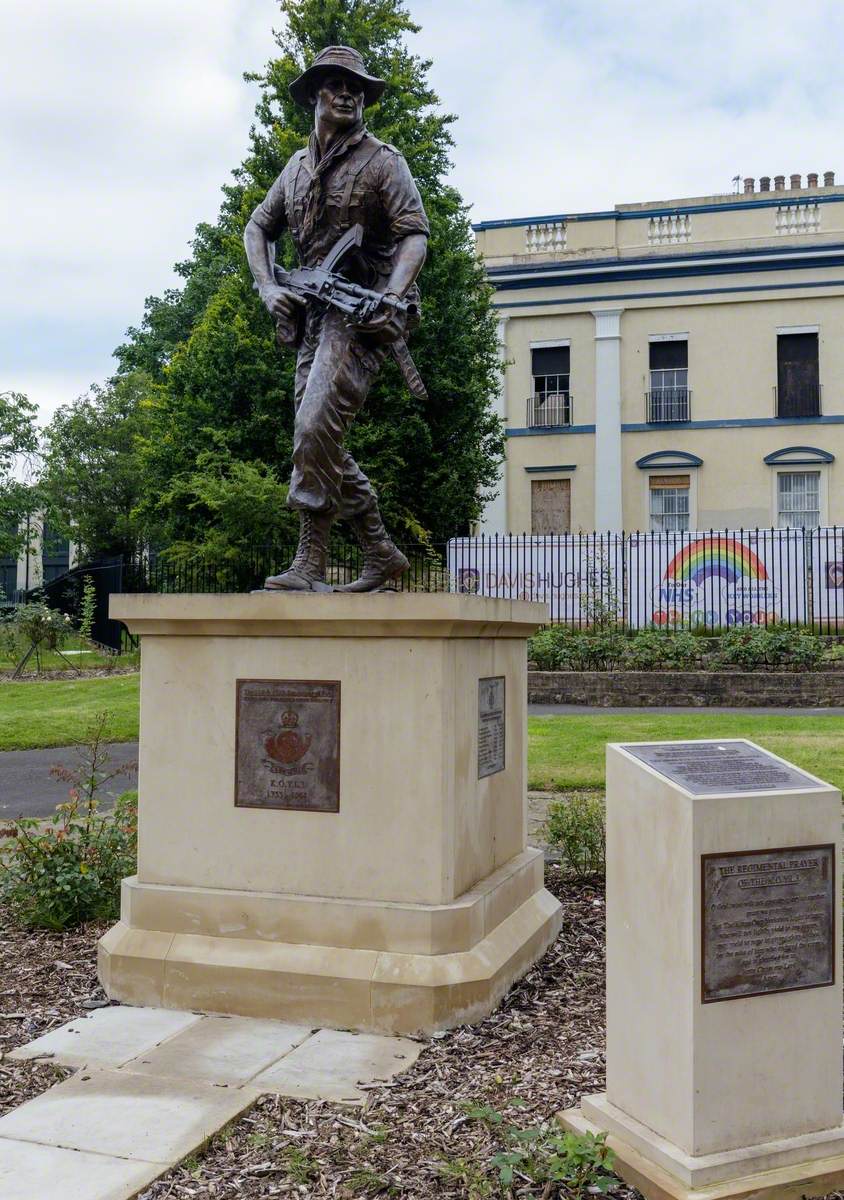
x: 560, y: 1162
x: 59, y: 873
x: 554, y: 648
x: 37, y: 624
x: 604, y: 649
x: 656, y: 650
x: 754, y: 647
x: 576, y: 827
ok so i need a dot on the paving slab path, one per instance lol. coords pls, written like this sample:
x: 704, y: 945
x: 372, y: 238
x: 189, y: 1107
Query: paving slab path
x: 153, y: 1085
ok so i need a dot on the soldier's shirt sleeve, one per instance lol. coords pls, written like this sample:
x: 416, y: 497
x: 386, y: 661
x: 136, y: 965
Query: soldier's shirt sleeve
x: 400, y: 197
x: 271, y: 214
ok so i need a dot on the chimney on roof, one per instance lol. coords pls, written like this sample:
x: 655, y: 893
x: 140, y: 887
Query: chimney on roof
x: 829, y: 179
x: 796, y: 182
x: 764, y: 183
x: 749, y: 184
x: 811, y: 180
x: 779, y: 183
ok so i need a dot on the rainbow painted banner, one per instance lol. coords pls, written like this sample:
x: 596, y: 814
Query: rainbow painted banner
x: 716, y: 579
x: 667, y: 579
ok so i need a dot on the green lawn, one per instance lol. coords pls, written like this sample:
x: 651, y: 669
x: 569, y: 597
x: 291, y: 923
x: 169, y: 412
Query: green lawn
x: 564, y: 752
x: 568, y: 752
x: 57, y: 712
x: 50, y: 661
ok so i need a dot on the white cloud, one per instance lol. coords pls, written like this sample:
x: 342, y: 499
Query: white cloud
x: 121, y: 122
x: 122, y: 119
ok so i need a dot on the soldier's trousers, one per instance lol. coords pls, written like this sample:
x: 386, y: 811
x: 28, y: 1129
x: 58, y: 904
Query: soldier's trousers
x: 334, y: 371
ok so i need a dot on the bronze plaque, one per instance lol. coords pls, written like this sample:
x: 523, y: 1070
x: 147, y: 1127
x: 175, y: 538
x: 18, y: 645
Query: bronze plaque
x: 768, y: 921
x: 490, y: 726
x: 288, y: 744
x: 712, y: 768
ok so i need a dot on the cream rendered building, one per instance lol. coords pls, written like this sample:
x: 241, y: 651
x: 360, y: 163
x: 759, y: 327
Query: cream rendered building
x: 674, y: 364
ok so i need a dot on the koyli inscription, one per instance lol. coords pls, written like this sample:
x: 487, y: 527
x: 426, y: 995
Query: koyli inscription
x: 288, y: 744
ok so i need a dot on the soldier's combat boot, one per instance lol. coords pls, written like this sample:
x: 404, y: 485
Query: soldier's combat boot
x: 307, y: 571
x: 382, y: 559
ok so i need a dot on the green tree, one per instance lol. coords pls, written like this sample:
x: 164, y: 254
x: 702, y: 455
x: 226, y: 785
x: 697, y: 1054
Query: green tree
x: 219, y: 390
x: 92, y: 479
x: 18, y: 447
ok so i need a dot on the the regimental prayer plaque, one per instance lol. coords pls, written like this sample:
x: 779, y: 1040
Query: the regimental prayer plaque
x: 713, y: 768
x: 490, y: 726
x: 288, y: 744
x: 768, y: 921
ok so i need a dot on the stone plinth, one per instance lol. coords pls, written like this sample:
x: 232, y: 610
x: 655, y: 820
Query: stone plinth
x: 410, y: 908
x: 724, y: 1071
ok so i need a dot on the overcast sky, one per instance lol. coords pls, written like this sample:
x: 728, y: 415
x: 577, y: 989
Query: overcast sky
x: 121, y: 119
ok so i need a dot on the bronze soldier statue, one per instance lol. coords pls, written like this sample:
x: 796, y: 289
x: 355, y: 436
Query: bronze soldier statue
x: 350, y: 203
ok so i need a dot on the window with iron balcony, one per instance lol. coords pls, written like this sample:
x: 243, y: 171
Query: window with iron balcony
x: 550, y: 402
x: 798, y: 392
x: 668, y: 398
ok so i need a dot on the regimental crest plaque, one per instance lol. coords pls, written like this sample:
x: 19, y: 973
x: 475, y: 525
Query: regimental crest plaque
x: 288, y: 744
x: 491, y: 733
x: 768, y: 921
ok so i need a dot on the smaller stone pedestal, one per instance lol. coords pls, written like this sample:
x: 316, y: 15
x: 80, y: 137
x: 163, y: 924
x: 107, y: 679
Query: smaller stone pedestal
x: 724, y: 1068
x: 332, y: 824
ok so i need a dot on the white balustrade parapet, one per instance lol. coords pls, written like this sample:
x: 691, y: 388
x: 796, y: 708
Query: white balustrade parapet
x: 669, y: 230
x: 798, y: 218
x: 545, y: 237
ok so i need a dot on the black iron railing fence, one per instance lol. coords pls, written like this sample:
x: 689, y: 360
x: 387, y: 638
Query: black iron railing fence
x: 668, y: 579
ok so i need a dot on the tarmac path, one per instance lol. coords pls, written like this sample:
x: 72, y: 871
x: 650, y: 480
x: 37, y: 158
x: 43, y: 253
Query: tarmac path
x: 27, y: 789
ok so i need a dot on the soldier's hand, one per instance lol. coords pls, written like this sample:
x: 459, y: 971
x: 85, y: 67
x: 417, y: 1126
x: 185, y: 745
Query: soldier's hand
x: 281, y: 303
x: 387, y: 325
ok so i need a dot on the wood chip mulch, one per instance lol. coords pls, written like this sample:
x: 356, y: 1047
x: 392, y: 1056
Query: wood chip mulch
x: 544, y: 1046
x: 67, y: 674
x: 46, y: 979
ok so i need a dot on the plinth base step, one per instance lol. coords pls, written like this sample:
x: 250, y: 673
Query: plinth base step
x: 790, y: 1168
x: 375, y: 990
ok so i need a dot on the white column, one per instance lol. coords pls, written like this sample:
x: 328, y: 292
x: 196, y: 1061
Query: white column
x: 30, y: 563
x: 608, y: 508
x: 494, y: 517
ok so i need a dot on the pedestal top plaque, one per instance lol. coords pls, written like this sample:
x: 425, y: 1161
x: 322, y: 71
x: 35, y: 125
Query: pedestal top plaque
x: 713, y: 768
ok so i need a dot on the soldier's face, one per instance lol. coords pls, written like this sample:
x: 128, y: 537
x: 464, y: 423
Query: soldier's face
x: 339, y: 99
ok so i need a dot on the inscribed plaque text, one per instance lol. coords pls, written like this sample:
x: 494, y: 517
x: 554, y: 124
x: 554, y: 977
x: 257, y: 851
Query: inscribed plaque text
x: 711, y: 768
x: 490, y: 726
x: 288, y: 744
x: 768, y: 921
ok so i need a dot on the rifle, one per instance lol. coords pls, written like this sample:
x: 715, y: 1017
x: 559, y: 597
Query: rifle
x: 357, y: 303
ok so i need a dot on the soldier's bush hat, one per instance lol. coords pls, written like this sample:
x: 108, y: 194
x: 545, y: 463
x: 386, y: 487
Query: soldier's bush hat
x: 330, y: 59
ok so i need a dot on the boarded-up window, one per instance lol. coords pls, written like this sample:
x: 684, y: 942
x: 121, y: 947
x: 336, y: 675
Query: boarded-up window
x: 798, y: 378
x: 550, y: 506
